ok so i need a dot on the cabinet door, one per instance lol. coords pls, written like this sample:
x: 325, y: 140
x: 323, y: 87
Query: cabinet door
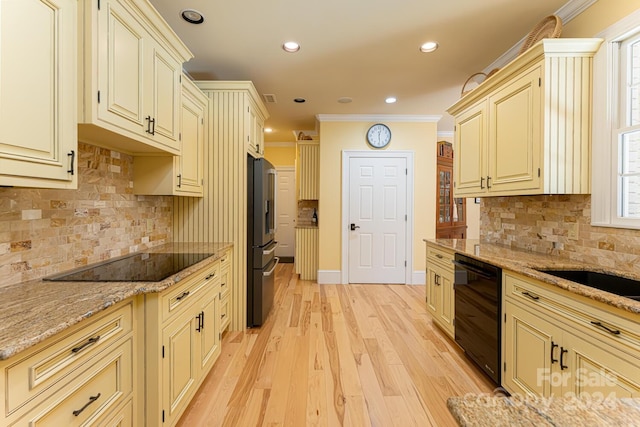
x: 191, y: 159
x: 445, y: 196
x: 600, y: 370
x: 179, y: 365
x: 434, y: 292
x: 531, y: 353
x: 38, y: 86
x: 122, y: 69
x: 470, y: 149
x: 515, y: 136
x: 209, y: 332
x: 448, y: 301
x: 162, y: 94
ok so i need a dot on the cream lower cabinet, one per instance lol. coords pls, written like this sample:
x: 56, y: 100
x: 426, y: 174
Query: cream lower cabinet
x: 83, y: 376
x: 553, y: 345
x: 526, y: 129
x: 177, y: 175
x: 131, y: 66
x: 38, y: 94
x: 182, y: 331
x: 440, y: 293
x: 226, y: 289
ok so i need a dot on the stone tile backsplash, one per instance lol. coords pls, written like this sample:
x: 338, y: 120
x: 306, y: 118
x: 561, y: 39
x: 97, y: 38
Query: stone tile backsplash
x: 559, y: 225
x: 44, y: 231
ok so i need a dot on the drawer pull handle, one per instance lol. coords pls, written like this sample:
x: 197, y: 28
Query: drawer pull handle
x: 209, y: 276
x: 222, y: 260
x: 89, y: 342
x: 533, y: 297
x: 184, y: 295
x: 439, y: 256
x: 223, y: 315
x: 600, y: 325
x: 553, y: 347
x: 563, y: 351
x: 91, y: 400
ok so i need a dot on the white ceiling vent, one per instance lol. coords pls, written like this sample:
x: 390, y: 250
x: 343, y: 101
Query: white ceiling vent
x: 269, y: 98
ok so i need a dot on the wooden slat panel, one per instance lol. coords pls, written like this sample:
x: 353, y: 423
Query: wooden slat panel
x: 306, y: 257
x: 220, y: 216
x: 309, y: 170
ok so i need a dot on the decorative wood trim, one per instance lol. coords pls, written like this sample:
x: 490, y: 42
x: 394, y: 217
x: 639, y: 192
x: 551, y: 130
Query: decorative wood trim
x: 378, y: 118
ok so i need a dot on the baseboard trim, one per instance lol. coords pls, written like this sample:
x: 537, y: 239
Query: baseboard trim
x: 419, y: 278
x: 329, y: 277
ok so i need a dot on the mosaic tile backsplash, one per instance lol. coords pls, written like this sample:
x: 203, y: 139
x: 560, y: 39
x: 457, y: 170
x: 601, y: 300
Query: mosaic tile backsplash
x: 558, y: 225
x: 45, y: 231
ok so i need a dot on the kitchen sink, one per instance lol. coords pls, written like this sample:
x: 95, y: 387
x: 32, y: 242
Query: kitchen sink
x: 617, y: 285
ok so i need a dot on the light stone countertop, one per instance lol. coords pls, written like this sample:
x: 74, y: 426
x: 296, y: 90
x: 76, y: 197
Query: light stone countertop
x: 33, y: 311
x: 526, y: 263
x: 499, y: 411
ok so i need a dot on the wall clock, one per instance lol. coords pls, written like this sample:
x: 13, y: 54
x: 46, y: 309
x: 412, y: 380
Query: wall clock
x: 378, y: 135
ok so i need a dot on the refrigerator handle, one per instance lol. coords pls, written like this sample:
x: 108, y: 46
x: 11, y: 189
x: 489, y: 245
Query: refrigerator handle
x: 270, y: 272
x: 273, y: 173
x: 270, y: 251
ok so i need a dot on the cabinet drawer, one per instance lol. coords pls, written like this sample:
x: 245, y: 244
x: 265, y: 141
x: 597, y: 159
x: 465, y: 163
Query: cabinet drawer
x: 225, y: 313
x: 440, y: 256
x: 182, y: 295
x: 91, y: 396
x: 600, y: 320
x: 123, y: 417
x: 225, y: 282
x: 225, y: 260
x: 38, y: 370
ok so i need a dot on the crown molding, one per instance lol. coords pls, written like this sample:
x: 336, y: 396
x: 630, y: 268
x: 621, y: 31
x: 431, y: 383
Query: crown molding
x: 377, y: 118
x: 445, y: 134
x: 566, y: 13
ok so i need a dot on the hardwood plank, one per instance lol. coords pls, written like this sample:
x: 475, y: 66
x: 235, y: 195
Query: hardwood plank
x: 337, y: 355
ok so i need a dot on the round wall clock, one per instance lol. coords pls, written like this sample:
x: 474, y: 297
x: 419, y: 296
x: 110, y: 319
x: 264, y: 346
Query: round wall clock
x: 378, y: 135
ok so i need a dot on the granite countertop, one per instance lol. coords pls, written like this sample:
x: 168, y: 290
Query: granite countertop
x: 500, y: 411
x: 36, y: 310
x: 526, y: 263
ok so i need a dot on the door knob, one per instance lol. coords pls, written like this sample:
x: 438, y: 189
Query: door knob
x: 353, y: 227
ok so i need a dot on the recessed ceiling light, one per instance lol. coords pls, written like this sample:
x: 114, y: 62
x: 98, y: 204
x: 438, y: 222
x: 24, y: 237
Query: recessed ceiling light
x: 192, y: 16
x: 291, y: 47
x: 429, y: 47
x: 345, y: 100
x: 299, y: 100
x: 268, y: 130
x: 390, y: 100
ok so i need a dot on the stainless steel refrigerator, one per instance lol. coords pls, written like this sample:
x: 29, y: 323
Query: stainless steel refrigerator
x: 261, y: 246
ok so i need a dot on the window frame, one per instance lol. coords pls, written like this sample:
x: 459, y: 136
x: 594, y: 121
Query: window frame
x: 608, y: 112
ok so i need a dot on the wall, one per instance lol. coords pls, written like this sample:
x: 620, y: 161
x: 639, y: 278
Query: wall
x: 419, y: 137
x: 280, y: 154
x: 536, y: 222
x: 43, y: 231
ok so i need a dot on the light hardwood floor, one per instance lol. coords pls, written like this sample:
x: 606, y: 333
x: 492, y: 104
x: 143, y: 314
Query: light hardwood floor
x: 333, y: 355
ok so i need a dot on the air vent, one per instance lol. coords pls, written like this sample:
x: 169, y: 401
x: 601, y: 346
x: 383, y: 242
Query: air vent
x: 269, y: 98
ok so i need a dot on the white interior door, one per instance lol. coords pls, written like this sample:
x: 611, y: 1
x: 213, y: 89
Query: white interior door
x: 377, y: 218
x: 286, y: 208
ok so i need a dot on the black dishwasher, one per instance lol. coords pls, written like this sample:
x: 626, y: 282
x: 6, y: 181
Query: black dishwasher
x: 478, y: 292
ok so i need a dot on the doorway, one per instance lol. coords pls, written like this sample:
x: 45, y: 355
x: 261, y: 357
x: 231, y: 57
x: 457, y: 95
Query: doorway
x: 377, y: 220
x: 286, y: 208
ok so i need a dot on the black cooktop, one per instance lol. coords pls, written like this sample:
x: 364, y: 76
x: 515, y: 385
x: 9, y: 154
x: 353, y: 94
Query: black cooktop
x: 141, y: 267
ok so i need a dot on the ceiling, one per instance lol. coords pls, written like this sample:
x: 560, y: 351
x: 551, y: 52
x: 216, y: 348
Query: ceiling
x: 363, y: 49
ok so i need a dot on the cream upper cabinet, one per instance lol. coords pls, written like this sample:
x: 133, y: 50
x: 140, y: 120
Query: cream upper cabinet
x: 38, y: 87
x: 130, y: 78
x: 526, y: 129
x: 178, y: 175
x: 555, y: 344
x: 255, y: 133
x: 309, y: 170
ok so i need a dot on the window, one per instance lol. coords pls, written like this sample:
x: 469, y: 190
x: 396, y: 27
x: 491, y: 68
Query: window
x: 616, y: 127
